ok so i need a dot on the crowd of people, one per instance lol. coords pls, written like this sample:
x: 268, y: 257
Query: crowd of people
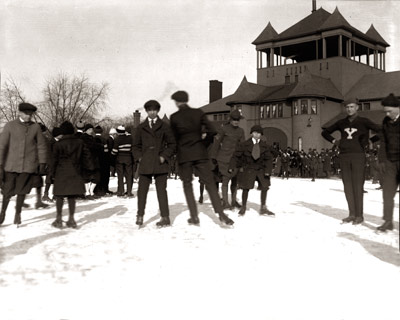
x: 79, y: 159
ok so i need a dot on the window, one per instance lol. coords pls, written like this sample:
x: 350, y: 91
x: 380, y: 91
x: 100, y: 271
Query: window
x: 215, y: 117
x: 295, y: 107
x: 296, y: 78
x: 300, y: 140
x: 273, y: 111
x: 268, y: 111
x: 313, y: 106
x: 287, y: 79
x: 304, y: 106
x: 366, y: 106
x: 280, y: 110
x: 220, y: 117
x: 226, y: 116
x: 261, y: 112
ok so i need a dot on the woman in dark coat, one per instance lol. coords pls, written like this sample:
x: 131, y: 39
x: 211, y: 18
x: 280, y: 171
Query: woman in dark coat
x: 254, y: 159
x: 70, y: 156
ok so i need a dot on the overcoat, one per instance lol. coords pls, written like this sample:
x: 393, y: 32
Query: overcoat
x: 70, y: 158
x: 151, y: 143
x: 95, y: 149
x: 22, y: 147
x: 251, y: 170
x: 186, y: 124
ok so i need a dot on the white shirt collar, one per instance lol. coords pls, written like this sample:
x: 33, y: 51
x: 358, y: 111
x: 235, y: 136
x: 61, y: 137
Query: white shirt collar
x: 255, y: 140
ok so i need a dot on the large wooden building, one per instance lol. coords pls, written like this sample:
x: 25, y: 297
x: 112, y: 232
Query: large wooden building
x: 303, y: 76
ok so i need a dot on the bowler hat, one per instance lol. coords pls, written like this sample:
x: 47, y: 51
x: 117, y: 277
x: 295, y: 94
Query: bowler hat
x: 26, y: 107
x: 152, y: 105
x: 256, y: 128
x: 235, y: 115
x: 180, y: 96
x: 391, y: 101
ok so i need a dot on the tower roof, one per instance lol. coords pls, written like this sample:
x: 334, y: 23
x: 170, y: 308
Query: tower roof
x: 268, y: 34
x: 373, y: 34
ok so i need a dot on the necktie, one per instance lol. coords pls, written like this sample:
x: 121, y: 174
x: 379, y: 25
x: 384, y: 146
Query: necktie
x: 152, y: 123
x: 255, y: 153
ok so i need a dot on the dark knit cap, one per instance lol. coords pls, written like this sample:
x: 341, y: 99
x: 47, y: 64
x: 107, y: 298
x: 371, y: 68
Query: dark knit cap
x: 80, y: 125
x: 87, y: 127
x: 391, y: 101
x: 56, y: 131
x: 235, y: 115
x: 120, y: 129
x: 98, y: 129
x: 180, y: 96
x: 152, y: 105
x: 66, y: 128
x: 26, y: 107
x: 256, y: 128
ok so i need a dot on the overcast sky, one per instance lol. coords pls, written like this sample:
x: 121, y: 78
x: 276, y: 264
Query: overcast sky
x: 147, y: 49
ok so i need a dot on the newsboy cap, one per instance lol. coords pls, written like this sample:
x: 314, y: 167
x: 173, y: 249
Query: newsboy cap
x: 26, y: 107
x: 235, y: 115
x: 256, y: 128
x: 390, y: 101
x: 152, y: 105
x: 350, y: 101
x: 180, y: 96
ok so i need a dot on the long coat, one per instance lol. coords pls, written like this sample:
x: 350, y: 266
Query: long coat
x: 22, y: 147
x: 250, y: 169
x: 151, y: 143
x: 70, y: 158
x: 186, y: 124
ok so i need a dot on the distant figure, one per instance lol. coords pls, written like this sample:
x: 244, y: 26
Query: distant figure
x: 70, y: 157
x: 354, y: 131
x: 186, y: 125
x: 390, y: 165
x: 153, y: 146
x: 22, y: 154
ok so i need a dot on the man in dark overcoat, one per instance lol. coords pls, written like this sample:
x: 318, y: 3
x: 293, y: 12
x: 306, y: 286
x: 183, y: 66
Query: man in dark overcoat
x: 186, y: 125
x: 23, y: 152
x: 254, y: 159
x: 153, y: 145
x: 104, y: 162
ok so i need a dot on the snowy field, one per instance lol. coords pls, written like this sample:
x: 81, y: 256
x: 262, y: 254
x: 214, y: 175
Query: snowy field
x: 301, y: 264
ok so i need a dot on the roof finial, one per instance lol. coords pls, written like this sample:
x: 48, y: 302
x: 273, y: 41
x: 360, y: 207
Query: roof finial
x: 314, y: 5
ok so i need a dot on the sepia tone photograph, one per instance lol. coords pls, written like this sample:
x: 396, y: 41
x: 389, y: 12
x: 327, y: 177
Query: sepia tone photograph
x: 199, y: 159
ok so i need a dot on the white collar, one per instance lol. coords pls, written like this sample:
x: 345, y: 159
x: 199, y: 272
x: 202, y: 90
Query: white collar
x: 255, y: 140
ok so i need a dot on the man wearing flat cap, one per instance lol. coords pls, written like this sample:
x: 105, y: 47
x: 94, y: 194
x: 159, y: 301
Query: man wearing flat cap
x: 354, y: 131
x: 391, y: 161
x: 253, y: 158
x: 22, y: 154
x: 187, y: 124
x: 227, y: 139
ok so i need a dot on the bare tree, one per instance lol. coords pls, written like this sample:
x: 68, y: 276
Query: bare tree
x: 72, y: 98
x: 11, y: 97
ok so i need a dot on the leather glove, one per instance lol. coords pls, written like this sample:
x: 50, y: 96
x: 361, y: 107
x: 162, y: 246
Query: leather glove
x: 42, y: 169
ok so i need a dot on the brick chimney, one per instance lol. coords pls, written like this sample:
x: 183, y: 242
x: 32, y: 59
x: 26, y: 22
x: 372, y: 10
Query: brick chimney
x: 136, y: 118
x: 314, y: 5
x: 215, y: 90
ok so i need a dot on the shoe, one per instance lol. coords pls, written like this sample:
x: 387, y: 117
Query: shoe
x: 25, y: 205
x: 163, y: 222
x: 57, y: 224
x: 235, y: 204
x: 71, y: 223
x: 265, y: 211
x: 17, y: 218
x: 388, y: 225
x: 139, y: 220
x: 46, y: 198
x: 201, y: 199
x: 2, y: 216
x: 348, y: 219
x: 358, y: 220
x: 39, y: 205
x: 130, y: 195
x: 120, y: 195
x: 225, y: 219
x: 365, y: 191
x: 242, y: 211
x: 194, y: 220
x: 89, y: 197
x: 109, y: 193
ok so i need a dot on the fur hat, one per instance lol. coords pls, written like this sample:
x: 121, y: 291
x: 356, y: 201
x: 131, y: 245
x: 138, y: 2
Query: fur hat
x: 180, y: 96
x: 390, y: 101
x: 26, y: 107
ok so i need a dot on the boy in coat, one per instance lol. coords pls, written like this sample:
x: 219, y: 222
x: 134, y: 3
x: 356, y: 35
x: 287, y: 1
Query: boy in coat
x: 153, y: 146
x: 254, y: 159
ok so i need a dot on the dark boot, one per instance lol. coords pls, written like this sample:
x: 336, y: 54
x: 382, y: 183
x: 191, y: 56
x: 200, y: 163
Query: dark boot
x: 388, y: 225
x: 242, y: 211
x: 164, y: 221
x: 201, y: 199
x: 40, y: 204
x: 71, y: 223
x: 265, y: 211
x: 2, y: 216
x: 194, y: 220
x: 46, y: 198
x: 358, y: 220
x: 4, y: 209
x: 57, y: 223
x: 17, y: 218
x: 139, y: 220
x: 225, y: 219
x: 349, y: 219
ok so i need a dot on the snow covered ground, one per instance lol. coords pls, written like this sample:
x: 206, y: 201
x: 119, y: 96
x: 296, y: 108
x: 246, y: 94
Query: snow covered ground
x: 301, y: 264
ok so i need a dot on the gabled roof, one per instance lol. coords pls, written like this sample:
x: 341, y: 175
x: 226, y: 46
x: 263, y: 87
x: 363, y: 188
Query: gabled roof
x: 335, y: 21
x: 376, y: 86
x: 312, y: 85
x: 277, y: 93
x: 373, y: 34
x: 267, y: 35
x: 375, y: 116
